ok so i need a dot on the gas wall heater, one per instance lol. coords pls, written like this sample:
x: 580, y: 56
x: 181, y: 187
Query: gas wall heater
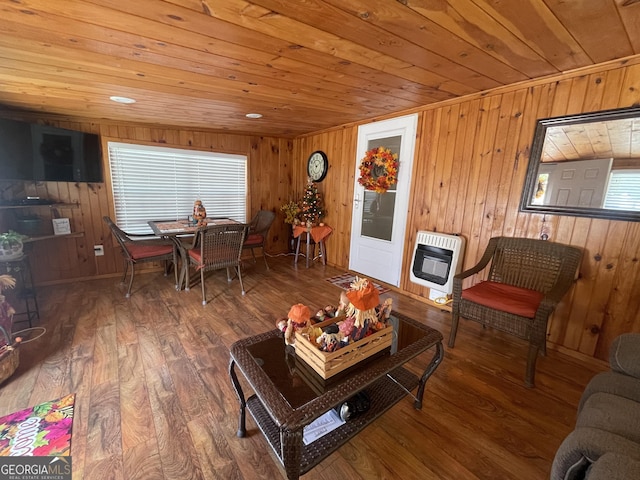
x: 437, y: 257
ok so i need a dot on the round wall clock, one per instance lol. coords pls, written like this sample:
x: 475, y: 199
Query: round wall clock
x: 317, y: 166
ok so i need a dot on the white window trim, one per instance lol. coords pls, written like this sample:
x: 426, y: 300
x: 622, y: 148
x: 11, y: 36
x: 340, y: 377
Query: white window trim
x: 161, y: 183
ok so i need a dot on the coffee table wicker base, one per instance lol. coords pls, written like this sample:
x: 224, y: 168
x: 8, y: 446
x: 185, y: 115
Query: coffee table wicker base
x: 384, y: 393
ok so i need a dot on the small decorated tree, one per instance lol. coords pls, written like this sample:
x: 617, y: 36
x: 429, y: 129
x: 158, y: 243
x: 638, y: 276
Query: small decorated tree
x: 312, y: 205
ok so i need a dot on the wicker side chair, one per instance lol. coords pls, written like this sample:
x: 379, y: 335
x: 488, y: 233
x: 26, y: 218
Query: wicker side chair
x: 138, y: 248
x: 214, y: 248
x: 526, y: 280
x: 258, y: 231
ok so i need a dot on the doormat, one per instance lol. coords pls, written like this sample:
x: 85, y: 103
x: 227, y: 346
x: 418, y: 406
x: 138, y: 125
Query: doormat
x: 345, y: 280
x: 43, y: 430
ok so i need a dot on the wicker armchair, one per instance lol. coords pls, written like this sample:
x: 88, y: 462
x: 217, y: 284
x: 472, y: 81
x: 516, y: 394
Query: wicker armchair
x: 214, y: 248
x: 138, y: 248
x: 526, y: 280
x: 258, y: 231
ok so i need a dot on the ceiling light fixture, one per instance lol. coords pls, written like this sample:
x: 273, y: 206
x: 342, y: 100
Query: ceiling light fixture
x: 122, y: 99
x: 253, y: 115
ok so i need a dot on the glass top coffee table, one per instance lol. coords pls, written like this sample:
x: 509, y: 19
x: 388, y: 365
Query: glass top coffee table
x: 289, y: 395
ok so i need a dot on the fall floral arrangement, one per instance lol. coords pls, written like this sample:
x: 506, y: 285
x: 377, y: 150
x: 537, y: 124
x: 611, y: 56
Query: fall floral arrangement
x: 291, y: 211
x: 379, y: 169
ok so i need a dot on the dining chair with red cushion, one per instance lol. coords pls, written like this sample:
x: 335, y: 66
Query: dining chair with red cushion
x: 216, y: 247
x: 258, y: 233
x: 139, y: 248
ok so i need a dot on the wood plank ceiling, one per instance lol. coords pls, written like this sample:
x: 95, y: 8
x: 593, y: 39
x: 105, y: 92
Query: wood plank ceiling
x: 305, y: 65
x: 618, y: 139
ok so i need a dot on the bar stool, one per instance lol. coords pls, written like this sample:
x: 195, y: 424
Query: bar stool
x: 25, y: 291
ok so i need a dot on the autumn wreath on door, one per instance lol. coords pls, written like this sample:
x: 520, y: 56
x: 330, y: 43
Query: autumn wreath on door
x: 379, y: 169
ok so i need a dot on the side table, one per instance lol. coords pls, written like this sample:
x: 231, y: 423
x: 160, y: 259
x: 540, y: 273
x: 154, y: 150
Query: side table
x: 25, y: 291
x: 313, y: 235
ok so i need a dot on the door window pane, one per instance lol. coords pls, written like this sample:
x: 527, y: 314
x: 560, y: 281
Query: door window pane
x: 377, y: 218
x: 378, y: 208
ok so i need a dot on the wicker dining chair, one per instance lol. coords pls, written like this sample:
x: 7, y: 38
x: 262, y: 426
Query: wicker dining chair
x: 526, y: 280
x: 139, y: 248
x: 214, y: 248
x: 258, y: 231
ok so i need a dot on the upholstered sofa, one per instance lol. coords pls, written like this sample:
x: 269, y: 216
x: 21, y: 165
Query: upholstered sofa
x: 605, y: 444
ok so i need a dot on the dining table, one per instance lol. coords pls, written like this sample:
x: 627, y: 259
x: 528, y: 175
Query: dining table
x: 179, y: 230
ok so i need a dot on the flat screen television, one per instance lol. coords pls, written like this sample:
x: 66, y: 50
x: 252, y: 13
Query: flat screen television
x: 30, y: 151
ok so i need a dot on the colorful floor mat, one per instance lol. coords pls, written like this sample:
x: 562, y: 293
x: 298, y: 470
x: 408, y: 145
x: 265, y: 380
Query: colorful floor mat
x: 43, y: 430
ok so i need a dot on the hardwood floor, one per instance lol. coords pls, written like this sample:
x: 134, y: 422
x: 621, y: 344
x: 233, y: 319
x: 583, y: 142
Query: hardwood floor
x: 154, y: 399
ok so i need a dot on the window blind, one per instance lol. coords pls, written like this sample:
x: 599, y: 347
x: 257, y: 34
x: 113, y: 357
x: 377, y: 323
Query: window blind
x: 159, y: 183
x: 623, y: 192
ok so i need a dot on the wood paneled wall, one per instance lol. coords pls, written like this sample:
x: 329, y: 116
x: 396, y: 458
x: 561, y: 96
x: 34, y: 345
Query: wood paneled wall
x: 64, y: 259
x: 469, y: 170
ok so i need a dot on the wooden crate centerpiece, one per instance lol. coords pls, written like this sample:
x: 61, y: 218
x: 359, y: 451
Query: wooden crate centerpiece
x: 327, y: 364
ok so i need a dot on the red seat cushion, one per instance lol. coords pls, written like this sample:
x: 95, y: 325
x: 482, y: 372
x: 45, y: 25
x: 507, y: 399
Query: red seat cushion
x: 225, y: 253
x: 253, y: 239
x: 506, y: 298
x: 139, y: 252
x: 195, y: 254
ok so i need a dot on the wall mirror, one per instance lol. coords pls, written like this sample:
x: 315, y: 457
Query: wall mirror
x: 586, y: 165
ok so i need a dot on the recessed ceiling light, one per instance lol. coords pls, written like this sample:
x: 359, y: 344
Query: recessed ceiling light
x: 253, y: 115
x: 122, y: 99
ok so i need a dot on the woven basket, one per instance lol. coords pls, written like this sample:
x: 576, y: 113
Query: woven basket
x: 9, y: 358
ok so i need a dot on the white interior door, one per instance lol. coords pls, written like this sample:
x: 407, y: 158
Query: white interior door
x: 580, y: 183
x: 379, y: 219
